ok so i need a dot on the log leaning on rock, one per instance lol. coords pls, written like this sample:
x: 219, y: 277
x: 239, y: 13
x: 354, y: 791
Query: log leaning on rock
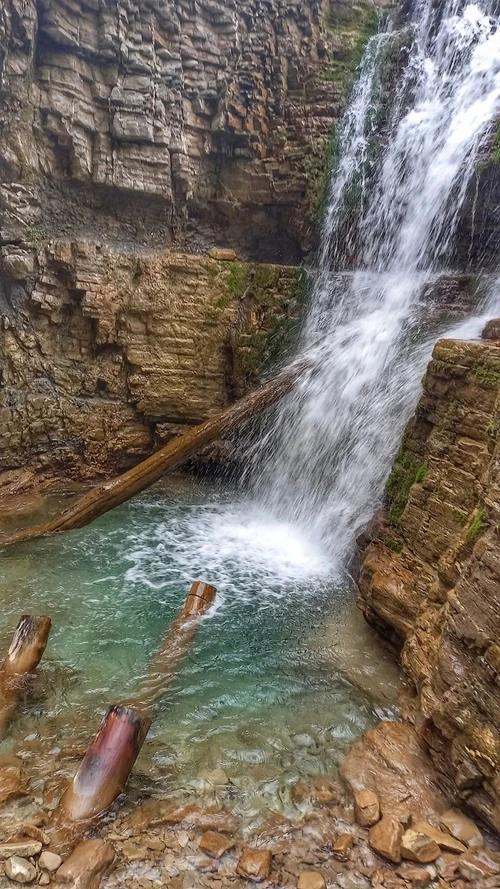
x: 25, y: 653
x: 109, y: 760
x: 120, y: 489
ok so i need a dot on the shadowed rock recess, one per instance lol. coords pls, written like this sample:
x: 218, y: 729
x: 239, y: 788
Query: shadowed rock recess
x: 137, y: 128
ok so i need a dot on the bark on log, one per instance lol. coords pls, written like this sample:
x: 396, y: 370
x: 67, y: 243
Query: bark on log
x: 109, y: 760
x: 106, y: 766
x: 115, y: 492
x: 25, y: 653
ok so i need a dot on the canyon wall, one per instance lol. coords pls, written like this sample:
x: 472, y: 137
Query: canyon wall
x: 136, y: 137
x: 430, y: 579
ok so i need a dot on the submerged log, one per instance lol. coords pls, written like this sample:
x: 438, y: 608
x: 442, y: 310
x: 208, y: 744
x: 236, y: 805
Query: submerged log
x: 175, y: 645
x: 115, y: 492
x: 109, y: 760
x: 25, y: 653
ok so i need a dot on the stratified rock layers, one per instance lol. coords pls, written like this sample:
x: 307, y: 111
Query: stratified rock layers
x: 111, y: 354
x: 432, y: 581
x: 144, y: 122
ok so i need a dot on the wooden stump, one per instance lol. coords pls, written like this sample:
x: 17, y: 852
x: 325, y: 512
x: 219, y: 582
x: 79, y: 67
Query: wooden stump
x: 25, y: 653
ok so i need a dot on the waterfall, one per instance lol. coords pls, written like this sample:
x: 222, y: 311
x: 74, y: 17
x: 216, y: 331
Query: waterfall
x: 327, y: 452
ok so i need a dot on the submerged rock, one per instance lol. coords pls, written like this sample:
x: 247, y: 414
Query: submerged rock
x: 254, y: 864
x: 86, y: 866
x: 311, y: 879
x: 214, y: 844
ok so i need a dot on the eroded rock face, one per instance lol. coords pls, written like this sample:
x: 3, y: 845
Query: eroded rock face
x: 107, y: 354
x: 164, y: 120
x: 432, y: 581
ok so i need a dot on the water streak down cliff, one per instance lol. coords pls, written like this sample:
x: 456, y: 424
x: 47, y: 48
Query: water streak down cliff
x: 407, y: 163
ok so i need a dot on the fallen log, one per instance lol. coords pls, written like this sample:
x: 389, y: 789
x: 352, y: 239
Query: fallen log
x: 109, y: 760
x: 25, y: 653
x: 116, y: 491
x: 175, y: 645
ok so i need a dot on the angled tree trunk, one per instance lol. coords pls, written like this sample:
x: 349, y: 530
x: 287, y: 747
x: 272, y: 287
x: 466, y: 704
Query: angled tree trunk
x: 115, y: 492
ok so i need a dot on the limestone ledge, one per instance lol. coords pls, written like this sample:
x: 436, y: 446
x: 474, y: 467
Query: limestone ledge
x: 106, y: 355
x: 430, y: 579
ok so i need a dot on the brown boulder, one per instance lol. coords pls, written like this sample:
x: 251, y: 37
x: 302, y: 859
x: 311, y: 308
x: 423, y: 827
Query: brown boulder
x: 385, y: 838
x: 214, y: 844
x: 311, y: 879
x: 86, y: 866
x: 343, y: 845
x: 366, y: 808
x: 462, y: 828
x: 491, y: 331
x: 444, y: 840
x: 254, y: 864
x: 419, y: 847
x: 389, y: 760
x: 419, y: 877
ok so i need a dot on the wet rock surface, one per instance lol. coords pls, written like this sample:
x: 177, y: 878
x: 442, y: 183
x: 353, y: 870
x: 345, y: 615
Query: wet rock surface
x: 434, y: 590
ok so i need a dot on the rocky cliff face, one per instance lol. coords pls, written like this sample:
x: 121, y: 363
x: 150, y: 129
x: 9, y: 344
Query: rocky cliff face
x: 128, y: 130
x: 431, y: 578
x: 114, y: 353
x: 148, y: 123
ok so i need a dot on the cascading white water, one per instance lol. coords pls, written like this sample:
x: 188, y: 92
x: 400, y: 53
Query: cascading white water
x: 331, y: 443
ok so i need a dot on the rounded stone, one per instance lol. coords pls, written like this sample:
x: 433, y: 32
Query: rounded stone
x: 20, y: 870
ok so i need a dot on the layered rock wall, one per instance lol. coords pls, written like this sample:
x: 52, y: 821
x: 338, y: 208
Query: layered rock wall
x: 112, y: 353
x: 431, y: 578
x: 162, y: 121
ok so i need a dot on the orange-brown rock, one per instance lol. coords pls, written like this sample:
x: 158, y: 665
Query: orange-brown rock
x: 13, y: 782
x: 474, y: 866
x: 442, y: 838
x: 311, y: 879
x: 366, y: 808
x: 440, y: 596
x: 254, y: 864
x: 419, y: 847
x: 385, y: 838
x: 462, y: 828
x: 418, y: 877
x: 215, y: 844
x: 86, y: 866
x: 343, y: 845
x: 390, y: 760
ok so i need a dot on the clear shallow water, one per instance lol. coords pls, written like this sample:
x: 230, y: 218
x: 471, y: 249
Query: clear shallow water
x: 269, y: 691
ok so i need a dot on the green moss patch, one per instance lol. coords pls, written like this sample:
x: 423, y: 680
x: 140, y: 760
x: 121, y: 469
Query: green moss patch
x: 407, y: 471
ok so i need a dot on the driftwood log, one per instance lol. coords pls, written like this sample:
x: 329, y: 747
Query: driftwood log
x: 25, y: 653
x: 109, y: 760
x: 115, y: 492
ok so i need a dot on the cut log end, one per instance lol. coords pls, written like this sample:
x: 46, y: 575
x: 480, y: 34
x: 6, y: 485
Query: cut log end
x: 28, y: 645
x: 106, y: 766
x: 200, y: 598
